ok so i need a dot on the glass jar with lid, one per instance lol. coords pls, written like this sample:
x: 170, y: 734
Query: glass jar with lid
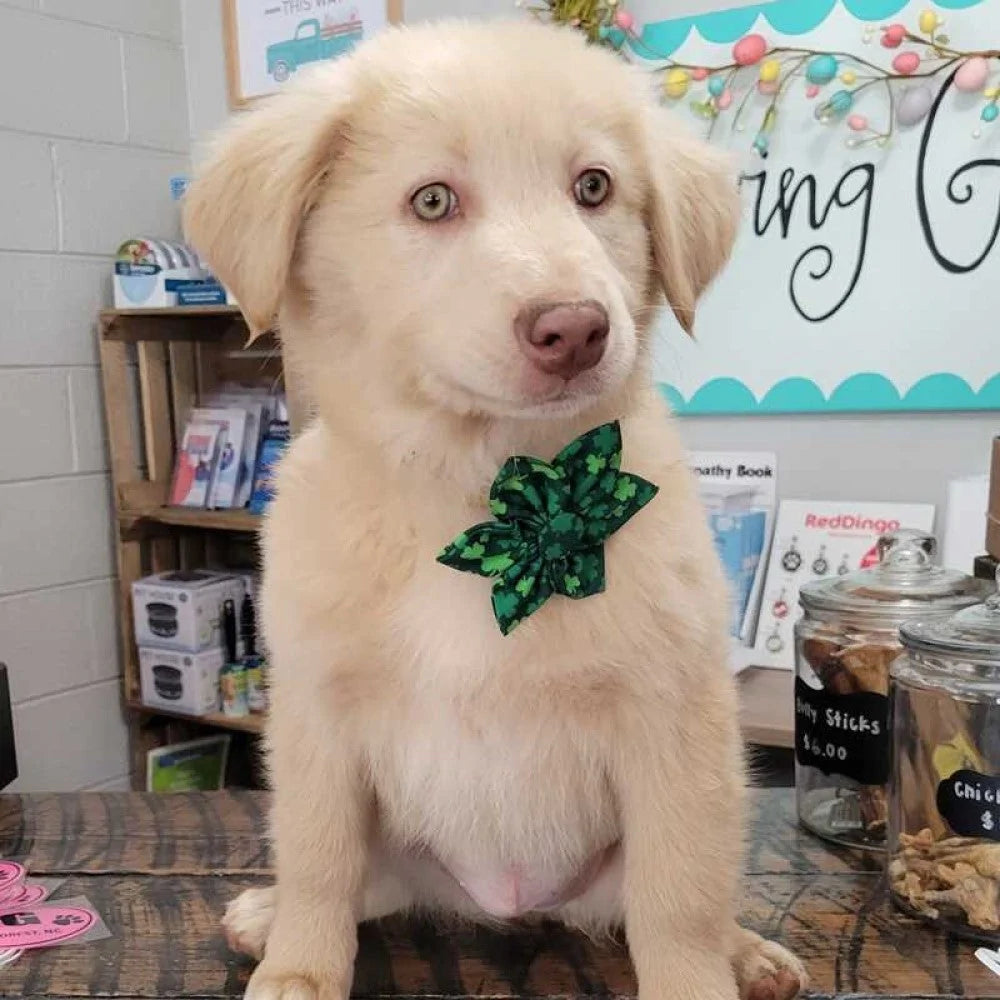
x: 845, y: 643
x: 944, y: 796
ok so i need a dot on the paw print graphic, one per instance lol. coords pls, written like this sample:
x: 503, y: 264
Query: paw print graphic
x: 987, y: 821
x: 66, y: 919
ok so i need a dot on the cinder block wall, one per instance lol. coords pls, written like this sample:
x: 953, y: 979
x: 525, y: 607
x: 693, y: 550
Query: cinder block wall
x: 93, y: 123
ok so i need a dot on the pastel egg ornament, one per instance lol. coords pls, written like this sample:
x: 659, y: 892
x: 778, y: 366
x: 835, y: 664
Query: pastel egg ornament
x: 724, y: 100
x: 838, y: 105
x: 906, y: 63
x: 770, y: 70
x: 675, y: 83
x: 822, y: 68
x: 972, y: 75
x: 699, y: 73
x: 624, y: 20
x: 914, y: 104
x: 892, y: 37
x: 749, y: 50
x: 857, y: 123
x: 812, y: 90
x: 990, y: 113
x: 928, y: 21
x: 716, y: 86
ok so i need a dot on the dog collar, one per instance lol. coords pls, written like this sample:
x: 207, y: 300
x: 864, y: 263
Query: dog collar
x: 551, y: 522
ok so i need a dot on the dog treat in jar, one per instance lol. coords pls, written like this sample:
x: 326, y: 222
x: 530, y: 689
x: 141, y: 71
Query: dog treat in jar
x: 844, y: 645
x: 944, y: 796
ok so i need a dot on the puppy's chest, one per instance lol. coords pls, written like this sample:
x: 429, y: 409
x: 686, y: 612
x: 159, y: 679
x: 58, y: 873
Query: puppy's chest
x: 510, y: 802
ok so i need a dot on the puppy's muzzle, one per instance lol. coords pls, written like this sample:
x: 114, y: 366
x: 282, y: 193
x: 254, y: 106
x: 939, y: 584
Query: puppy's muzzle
x: 563, y: 338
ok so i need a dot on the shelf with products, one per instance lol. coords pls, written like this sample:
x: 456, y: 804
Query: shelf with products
x: 253, y: 723
x: 156, y: 365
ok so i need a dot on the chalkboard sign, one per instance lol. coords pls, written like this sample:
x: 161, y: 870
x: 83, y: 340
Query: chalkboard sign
x: 970, y: 802
x: 865, y: 275
x: 846, y: 734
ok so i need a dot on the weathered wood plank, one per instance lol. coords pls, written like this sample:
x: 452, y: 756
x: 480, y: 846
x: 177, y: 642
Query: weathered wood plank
x: 79, y: 833
x: 167, y: 943
x: 777, y: 844
x: 122, y: 832
x: 161, y: 869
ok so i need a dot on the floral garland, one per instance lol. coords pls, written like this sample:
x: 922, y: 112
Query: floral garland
x: 926, y: 55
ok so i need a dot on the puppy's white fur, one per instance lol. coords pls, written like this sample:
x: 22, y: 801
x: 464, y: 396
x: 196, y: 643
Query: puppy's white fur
x: 415, y: 752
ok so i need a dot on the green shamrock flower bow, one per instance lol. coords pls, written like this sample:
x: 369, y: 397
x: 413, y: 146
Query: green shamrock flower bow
x: 551, y: 522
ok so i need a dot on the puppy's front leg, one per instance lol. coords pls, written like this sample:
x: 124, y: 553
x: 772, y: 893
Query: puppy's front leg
x: 680, y: 796
x: 321, y: 818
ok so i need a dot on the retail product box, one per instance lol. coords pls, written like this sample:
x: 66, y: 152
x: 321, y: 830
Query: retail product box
x: 187, y: 683
x: 182, y: 609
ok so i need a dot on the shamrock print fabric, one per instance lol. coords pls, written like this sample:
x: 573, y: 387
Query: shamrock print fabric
x: 552, y: 519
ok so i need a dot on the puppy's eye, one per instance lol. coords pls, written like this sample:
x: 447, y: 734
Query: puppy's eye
x: 434, y: 202
x: 592, y: 187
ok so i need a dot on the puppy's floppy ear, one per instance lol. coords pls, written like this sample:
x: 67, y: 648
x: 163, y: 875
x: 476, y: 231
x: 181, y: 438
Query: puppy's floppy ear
x: 247, y: 203
x: 693, y: 214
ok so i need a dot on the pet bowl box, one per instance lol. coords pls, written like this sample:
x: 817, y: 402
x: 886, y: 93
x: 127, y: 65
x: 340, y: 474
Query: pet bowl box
x: 182, y: 609
x: 187, y: 683
x: 149, y: 274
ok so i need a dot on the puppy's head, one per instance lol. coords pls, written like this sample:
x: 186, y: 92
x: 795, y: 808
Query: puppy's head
x: 479, y: 217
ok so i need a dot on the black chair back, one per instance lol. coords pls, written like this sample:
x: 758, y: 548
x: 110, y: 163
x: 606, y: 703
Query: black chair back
x: 8, y: 759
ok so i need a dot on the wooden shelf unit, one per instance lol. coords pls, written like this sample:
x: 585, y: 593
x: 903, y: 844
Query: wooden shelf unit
x: 156, y: 364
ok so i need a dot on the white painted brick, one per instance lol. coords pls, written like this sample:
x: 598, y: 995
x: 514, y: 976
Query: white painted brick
x: 155, y: 91
x: 49, y: 307
x: 148, y: 17
x: 54, y: 531
x: 70, y: 741
x: 60, y: 638
x: 27, y: 197
x: 34, y: 407
x: 110, y: 194
x: 102, y: 614
x: 207, y: 92
x: 87, y: 417
x: 60, y: 78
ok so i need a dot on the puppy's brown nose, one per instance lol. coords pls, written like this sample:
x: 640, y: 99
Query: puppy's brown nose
x: 565, y: 338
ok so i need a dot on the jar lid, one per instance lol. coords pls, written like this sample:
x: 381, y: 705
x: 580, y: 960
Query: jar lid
x: 973, y: 632
x: 905, y: 583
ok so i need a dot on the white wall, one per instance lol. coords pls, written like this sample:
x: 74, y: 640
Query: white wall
x: 906, y: 457
x: 92, y: 124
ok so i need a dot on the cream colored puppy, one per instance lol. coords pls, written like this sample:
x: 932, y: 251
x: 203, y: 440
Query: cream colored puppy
x: 462, y: 233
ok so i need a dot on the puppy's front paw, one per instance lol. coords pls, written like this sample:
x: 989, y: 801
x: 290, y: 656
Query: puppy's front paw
x: 265, y: 985
x: 248, y: 920
x: 272, y: 983
x: 766, y: 971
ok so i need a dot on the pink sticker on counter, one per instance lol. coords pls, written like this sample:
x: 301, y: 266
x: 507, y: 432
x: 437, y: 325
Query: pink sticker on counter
x: 30, y: 894
x: 43, y: 926
x: 11, y: 878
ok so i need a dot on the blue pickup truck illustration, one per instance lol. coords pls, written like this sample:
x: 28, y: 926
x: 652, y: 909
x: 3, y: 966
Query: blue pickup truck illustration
x: 312, y: 42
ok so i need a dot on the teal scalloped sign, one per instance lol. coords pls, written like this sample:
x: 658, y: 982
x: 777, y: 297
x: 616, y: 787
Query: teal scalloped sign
x: 790, y: 17
x: 865, y: 391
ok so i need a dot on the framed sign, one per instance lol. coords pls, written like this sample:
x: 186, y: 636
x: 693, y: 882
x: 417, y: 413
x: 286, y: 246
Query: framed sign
x: 268, y: 41
x: 865, y: 276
